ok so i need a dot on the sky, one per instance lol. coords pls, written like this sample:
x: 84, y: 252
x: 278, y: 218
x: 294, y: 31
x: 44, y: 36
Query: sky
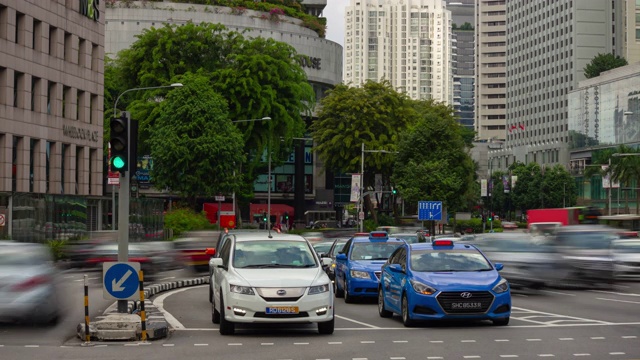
x: 334, y: 12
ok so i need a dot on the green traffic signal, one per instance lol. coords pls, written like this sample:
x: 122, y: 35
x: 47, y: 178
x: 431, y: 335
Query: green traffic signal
x: 118, y: 162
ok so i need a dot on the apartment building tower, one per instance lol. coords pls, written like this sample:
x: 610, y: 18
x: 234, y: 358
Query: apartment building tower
x: 491, y: 82
x: 407, y: 43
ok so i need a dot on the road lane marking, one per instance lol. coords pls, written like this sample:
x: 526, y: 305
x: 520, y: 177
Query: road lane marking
x: 509, y: 356
x: 617, y: 353
x: 467, y: 341
x: 435, y: 357
x: 565, y: 339
x: 534, y: 339
x: 168, y: 345
x: 546, y: 355
x: 335, y: 343
x: 356, y: 321
x: 367, y: 342
x: 301, y: 343
x: 557, y: 293
x: 472, y: 356
x: 597, y: 338
x: 159, y: 303
x: 200, y: 344
x: 501, y: 340
x: 541, y: 313
x: 629, y: 337
x: 615, y: 293
x: 266, y: 344
x: 32, y: 346
x: 584, y: 354
x: 622, y: 301
x: 234, y: 344
x: 400, y: 341
x: 436, y: 341
x: 397, y: 358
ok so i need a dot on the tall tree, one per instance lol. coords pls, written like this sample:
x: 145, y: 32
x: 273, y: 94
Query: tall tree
x: 258, y: 78
x: 625, y: 169
x: 603, y: 62
x: 194, y: 144
x: 373, y: 115
x: 433, y: 161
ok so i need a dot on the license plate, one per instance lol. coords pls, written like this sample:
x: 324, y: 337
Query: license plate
x: 282, y: 310
x: 466, y: 305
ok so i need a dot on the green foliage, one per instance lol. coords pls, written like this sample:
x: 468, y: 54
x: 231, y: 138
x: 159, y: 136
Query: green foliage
x: 474, y: 224
x: 185, y: 219
x: 602, y: 63
x: 625, y: 168
x: 554, y: 187
x: 369, y: 225
x: 258, y: 78
x: 433, y: 162
x: 191, y: 135
x: 385, y: 220
x: 58, y: 248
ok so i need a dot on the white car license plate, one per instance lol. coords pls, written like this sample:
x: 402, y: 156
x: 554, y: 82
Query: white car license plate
x: 466, y: 305
x: 282, y: 310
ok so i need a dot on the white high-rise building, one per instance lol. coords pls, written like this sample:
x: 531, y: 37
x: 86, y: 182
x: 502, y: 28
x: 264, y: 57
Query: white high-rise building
x: 405, y: 42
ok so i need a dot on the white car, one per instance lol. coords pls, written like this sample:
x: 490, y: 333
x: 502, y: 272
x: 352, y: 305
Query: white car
x: 270, y: 278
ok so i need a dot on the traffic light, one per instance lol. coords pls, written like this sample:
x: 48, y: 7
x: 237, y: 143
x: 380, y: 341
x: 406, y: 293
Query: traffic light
x: 491, y: 217
x: 394, y: 191
x: 120, y: 143
x: 264, y: 217
x: 286, y: 216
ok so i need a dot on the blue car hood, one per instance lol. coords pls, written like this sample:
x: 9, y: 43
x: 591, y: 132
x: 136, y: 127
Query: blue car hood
x: 368, y: 265
x: 453, y: 280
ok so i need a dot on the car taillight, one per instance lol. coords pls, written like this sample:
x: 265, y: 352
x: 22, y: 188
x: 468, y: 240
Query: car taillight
x: 140, y: 259
x: 31, y: 283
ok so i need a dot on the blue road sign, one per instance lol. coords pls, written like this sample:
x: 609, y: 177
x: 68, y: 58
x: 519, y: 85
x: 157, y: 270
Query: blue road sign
x: 430, y: 210
x: 120, y: 280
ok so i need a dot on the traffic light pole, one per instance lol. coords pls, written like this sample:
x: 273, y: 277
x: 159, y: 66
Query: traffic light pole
x: 123, y: 217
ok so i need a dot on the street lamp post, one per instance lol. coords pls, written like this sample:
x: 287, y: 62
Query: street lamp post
x: 123, y: 205
x: 233, y: 196
x: 362, y: 179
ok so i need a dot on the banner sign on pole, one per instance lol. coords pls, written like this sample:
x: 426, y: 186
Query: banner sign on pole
x: 355, y: 188
x: 483, y: 187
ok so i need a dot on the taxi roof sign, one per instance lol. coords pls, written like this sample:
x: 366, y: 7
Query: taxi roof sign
x: 442, y: 243
x: 379, y: 235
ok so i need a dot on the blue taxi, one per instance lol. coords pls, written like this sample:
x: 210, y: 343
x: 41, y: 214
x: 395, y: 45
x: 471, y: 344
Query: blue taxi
x: 358, y: 267
x: 443, y: 280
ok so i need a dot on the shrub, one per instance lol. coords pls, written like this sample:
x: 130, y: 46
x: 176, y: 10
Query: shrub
x: 58, y: 248
x: 184, y: 219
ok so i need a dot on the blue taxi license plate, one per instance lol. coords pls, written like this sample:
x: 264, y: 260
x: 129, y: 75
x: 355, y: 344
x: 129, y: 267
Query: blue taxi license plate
x: 466, y: 305
x: 282, y: 310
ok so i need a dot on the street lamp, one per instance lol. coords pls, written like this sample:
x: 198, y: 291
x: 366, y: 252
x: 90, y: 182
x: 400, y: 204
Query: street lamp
x: 123, y: 206
x: 361, y: 202
x: 115, y: 114
x: 233, y: 196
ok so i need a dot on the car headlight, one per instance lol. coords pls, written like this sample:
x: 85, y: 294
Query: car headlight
x: 318, y: 289
x: 360, y: 274
x: 244, y: 290
x: 501, y: 287
x: 421, y: 288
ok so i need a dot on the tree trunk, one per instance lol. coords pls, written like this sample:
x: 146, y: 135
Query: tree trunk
x: 369, y: 206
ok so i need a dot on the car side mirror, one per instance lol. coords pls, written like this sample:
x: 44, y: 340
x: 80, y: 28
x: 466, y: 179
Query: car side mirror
x: 323, y: 255
x: 341, y: 257
x: 216, y: 262
x: 327, y: 261
x: 498, y: 266
x: 210, y: 251
x: 396, y: 268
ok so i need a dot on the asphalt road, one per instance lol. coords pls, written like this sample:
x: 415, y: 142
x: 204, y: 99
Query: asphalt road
x: 558, y: 324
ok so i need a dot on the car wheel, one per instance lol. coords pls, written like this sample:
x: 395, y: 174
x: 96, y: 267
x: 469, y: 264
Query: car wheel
x: 406, y: 317
x: 347, y: 298
x: 381, y: 310
x: 501, y: 322
x: 226, y: 327
x: 326, y: 328
x: 336, y: 289
x: 215, y: 314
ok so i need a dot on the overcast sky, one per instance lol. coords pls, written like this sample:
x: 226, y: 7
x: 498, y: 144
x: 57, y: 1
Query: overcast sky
x: 334, y: 12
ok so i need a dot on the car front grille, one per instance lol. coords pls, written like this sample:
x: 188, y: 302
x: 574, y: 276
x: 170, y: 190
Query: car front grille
x: 448, y: 299
x: 281, y: 299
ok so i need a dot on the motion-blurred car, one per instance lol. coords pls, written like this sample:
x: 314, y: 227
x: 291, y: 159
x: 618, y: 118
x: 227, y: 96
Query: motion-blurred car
x: 27, y: 284
x: 626, y: 256
x: 313, y: 236
x: 410, y: 238
x: 336, y: 248
x: 527, y: 264
x: 443, y: 281
x: 586, y: 255
x: 358, y: 268
x: 150, y: 262
x: 508, y: 225
x: 192, y: 246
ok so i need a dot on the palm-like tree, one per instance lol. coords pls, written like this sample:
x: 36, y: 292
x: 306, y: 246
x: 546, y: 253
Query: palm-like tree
x: 625, y: 168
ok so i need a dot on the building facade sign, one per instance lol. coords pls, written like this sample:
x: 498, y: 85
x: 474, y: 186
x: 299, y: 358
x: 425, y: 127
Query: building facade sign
x: 90, y: 9
x: 78, y: 133
x: 310, y: 62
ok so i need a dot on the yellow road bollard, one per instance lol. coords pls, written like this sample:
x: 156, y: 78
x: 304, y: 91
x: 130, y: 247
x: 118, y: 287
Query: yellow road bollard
x: 143, y: 318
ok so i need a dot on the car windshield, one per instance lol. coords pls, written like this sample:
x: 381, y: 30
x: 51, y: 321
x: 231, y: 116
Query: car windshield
x: 448, y: 260
x: 591, y: 240
x: 373, y: 250
x: 273, y: 254
x: 627, y: 246
x: 338, y: 247
x: 408, y: 238
x: 322, y: 247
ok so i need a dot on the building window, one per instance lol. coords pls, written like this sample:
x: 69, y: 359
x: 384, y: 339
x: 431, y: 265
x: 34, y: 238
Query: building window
x: 51, y: 92
x: 18, y: 90
x: 35, y: 93
x: 53, y: 32
x: 63, y: 165
x: 4, y: 14
x: 37, y: 35
x: 82, y: 60
x: 68, y: 47
x: 20, y: 30
x: 47, y: 165
x: 32, y: 147
x: 94, y: 57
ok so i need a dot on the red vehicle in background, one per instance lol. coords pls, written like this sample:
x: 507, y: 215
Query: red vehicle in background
x: 565, y: 216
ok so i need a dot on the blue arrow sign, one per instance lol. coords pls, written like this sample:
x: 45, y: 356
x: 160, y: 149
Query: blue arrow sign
x: 430, y: 210
x: 121, y: 281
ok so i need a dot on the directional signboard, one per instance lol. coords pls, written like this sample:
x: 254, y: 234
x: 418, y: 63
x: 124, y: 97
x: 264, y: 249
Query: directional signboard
x: 430, y: 210
x: 120, y: 280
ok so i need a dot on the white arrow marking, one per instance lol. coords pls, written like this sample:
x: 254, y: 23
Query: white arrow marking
x: 117, y: 286
x: 430, y: 215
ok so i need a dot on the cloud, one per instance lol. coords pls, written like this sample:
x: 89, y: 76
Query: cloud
x: 334, y: 12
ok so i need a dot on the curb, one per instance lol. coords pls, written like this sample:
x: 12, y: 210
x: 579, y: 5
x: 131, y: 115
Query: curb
x: 156, y: 324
